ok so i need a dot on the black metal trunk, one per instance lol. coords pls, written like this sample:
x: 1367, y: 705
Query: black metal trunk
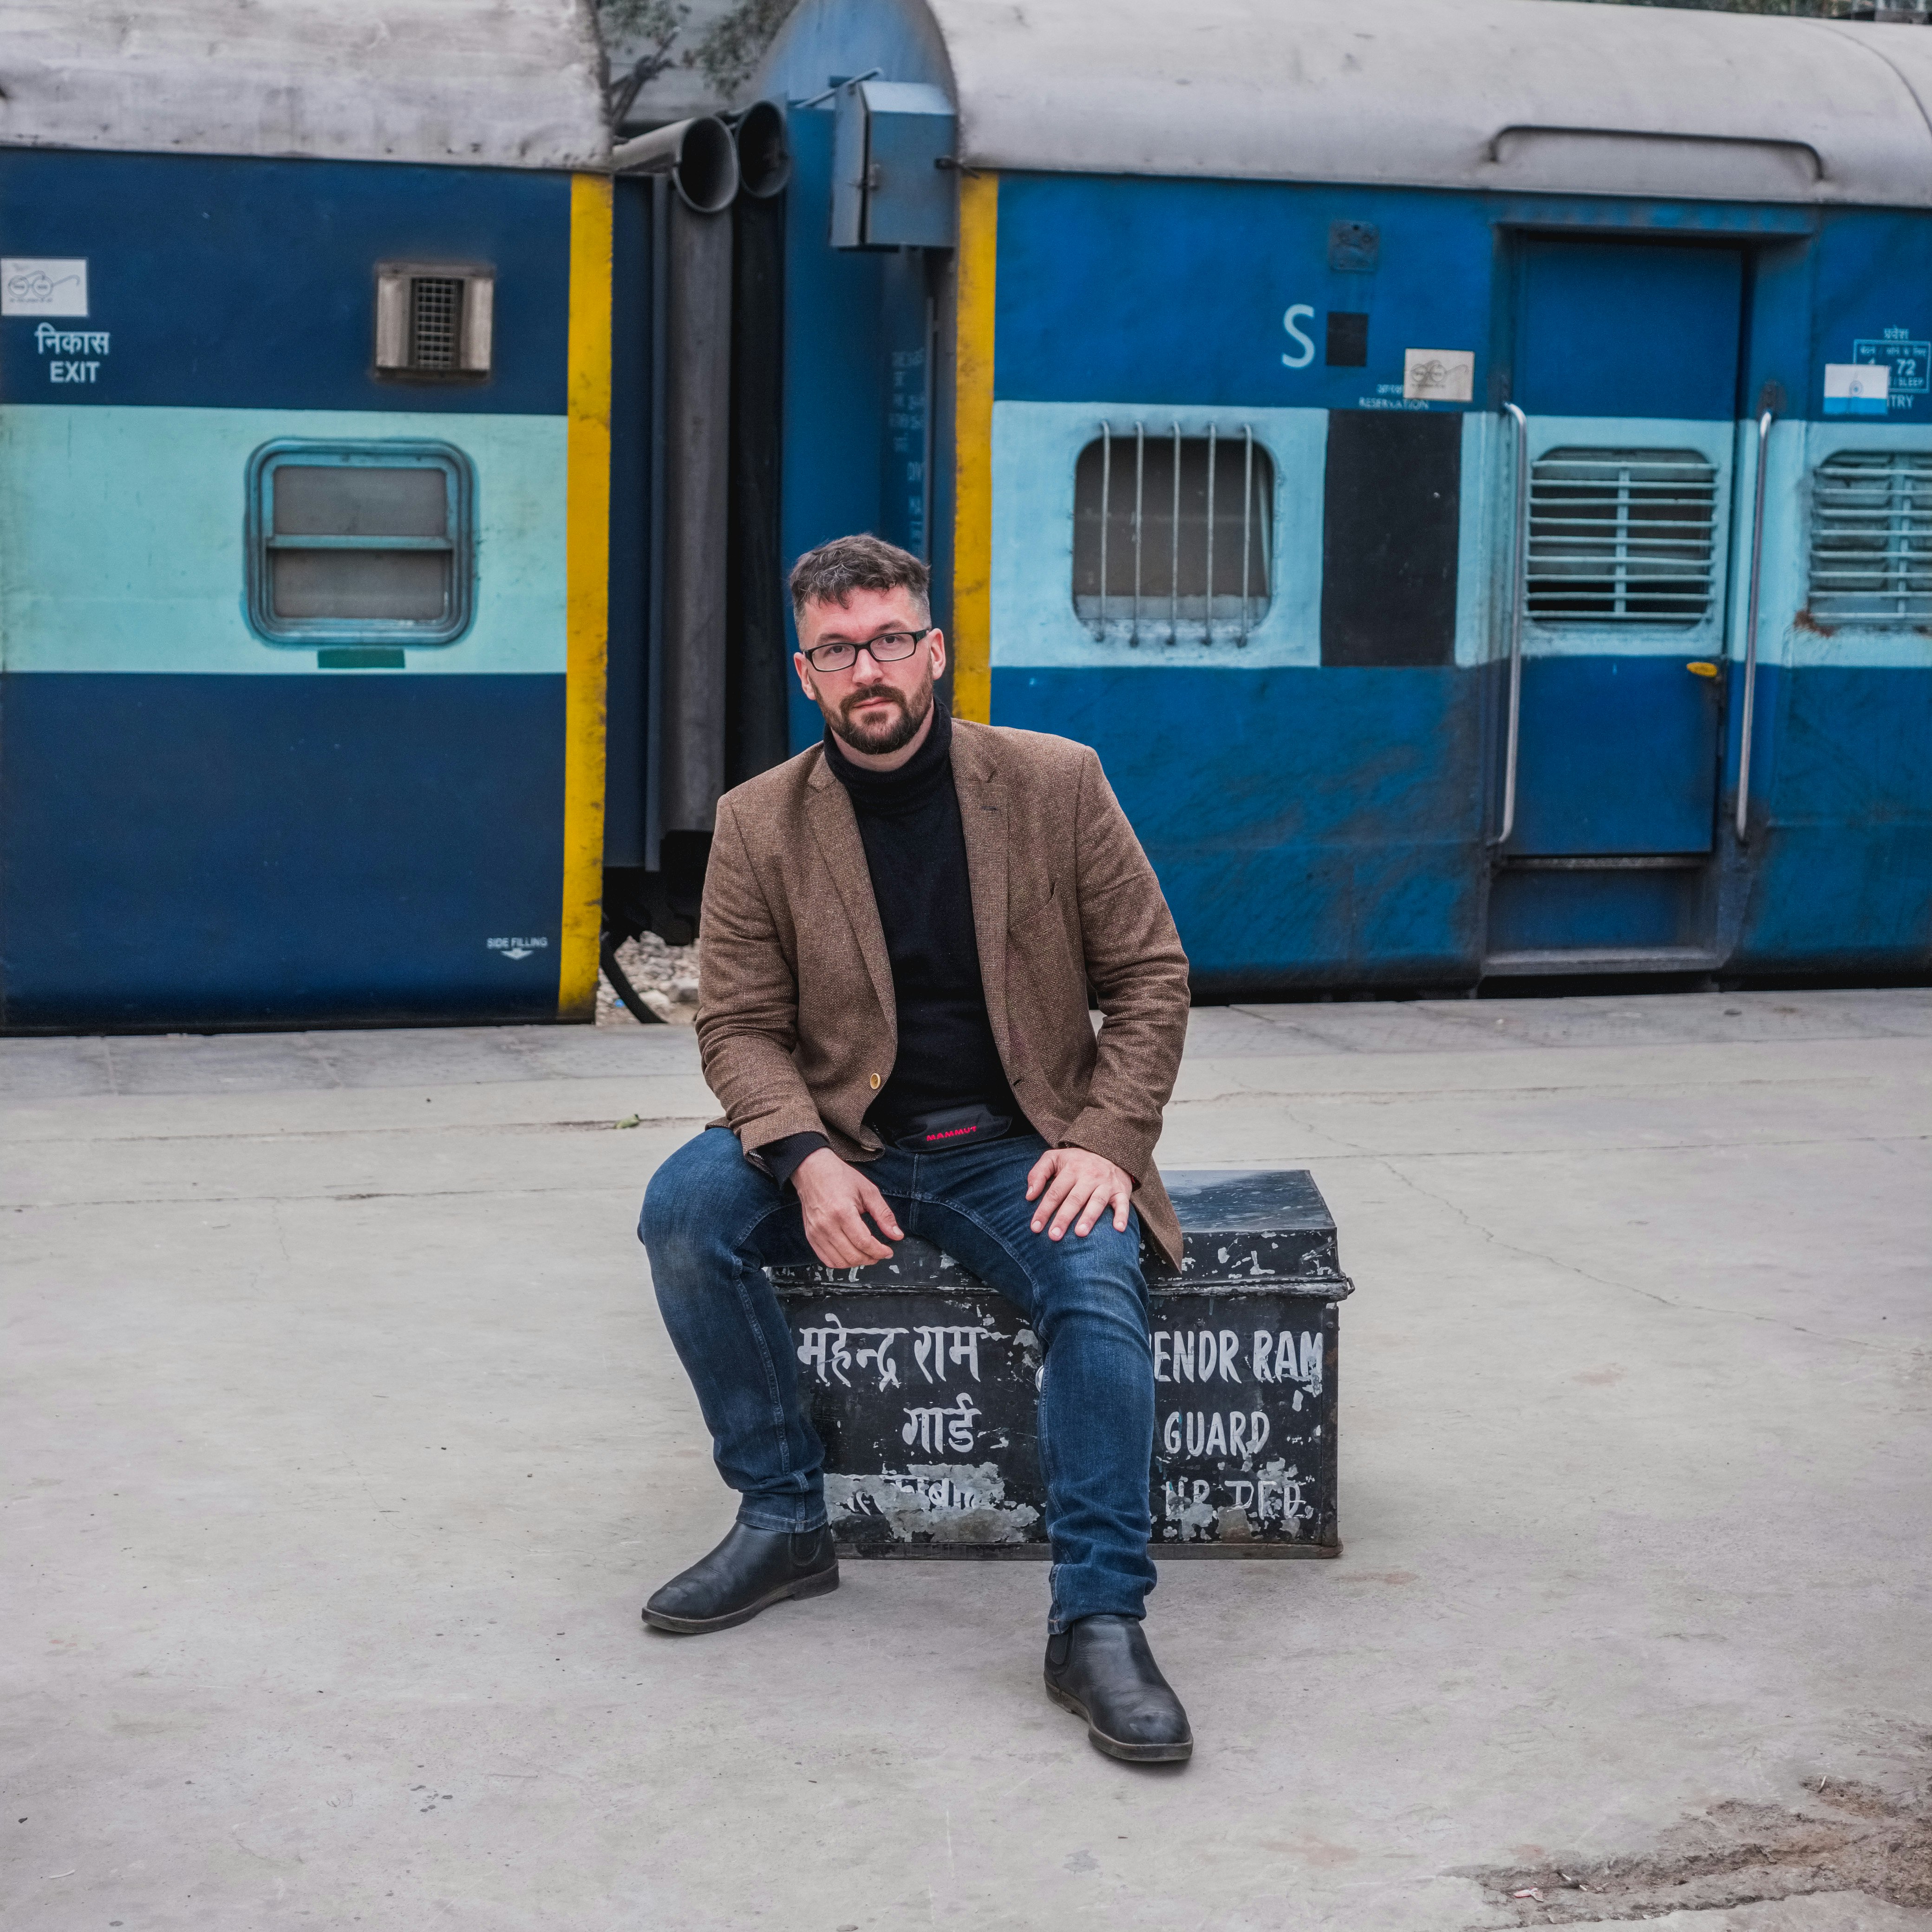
x: 922, y: 1383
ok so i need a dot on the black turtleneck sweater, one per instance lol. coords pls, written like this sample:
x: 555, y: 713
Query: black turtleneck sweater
x: 916, y: 853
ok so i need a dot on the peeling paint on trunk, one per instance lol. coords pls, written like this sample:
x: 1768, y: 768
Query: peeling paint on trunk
x: 944, y: 1502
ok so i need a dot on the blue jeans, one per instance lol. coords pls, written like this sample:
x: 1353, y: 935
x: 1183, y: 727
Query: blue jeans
x: 713, y: 1222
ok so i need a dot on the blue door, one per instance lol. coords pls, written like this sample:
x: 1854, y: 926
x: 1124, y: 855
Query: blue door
x: 1626, y: 365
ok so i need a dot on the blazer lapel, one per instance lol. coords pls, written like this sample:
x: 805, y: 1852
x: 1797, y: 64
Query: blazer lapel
x: 984, y: 818
x: 836, y: 831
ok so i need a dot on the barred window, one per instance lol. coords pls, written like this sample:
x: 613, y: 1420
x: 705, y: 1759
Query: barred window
x: 360, y: 543
x: 1171, y: 534
x: 1871, y: 537
x: 1622, y: 536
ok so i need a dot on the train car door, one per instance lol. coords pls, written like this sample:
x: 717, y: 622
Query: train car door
x: 1626, y: 366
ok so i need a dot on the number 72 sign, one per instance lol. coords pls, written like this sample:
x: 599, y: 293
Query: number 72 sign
x: 1908, y: 361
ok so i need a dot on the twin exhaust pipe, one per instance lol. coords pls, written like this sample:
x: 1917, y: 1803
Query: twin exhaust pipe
x: 710, y: 157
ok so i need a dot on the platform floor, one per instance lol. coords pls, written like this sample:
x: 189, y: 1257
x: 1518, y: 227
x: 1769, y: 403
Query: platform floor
x: 342, y: 1442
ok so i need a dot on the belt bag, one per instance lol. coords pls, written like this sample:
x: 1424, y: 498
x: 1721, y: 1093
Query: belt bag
x: 949, y: 1127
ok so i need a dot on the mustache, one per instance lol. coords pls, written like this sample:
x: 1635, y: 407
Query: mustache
x: 859, y: 697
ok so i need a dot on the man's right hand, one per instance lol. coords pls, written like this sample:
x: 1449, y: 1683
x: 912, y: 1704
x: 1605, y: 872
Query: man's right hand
x: 836, y: 1199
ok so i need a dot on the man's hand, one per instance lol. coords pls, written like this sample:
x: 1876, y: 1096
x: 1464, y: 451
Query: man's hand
x: 1073, y: 1181
x: 836, y: 1199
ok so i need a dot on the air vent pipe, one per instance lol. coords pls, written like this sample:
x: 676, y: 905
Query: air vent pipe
x: 699, y: 155
x: 764, y: 154
x: 689, y: 698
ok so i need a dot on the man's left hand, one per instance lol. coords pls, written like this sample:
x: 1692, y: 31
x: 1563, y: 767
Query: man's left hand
x: 1069, y: 1181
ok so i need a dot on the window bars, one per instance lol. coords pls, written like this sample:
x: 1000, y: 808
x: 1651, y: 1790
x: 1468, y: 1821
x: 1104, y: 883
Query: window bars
x: 1158, y: 519
x: 1621, y: 536
x: 435, y: 308
x: 1871, y: 537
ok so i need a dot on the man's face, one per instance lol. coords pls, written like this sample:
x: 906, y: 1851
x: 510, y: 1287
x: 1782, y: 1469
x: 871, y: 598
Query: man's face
x: 875, y: 708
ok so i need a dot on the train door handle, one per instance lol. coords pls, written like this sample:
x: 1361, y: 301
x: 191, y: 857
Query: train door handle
x: 1750, y: 629
x: 1518, y: 593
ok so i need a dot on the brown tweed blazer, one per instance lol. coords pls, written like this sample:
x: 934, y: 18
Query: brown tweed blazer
x: 796, y: 1018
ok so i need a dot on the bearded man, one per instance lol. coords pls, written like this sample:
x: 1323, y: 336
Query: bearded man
x: 901, y: 926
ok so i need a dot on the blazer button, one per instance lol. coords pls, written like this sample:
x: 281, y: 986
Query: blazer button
x: 875, y: 1080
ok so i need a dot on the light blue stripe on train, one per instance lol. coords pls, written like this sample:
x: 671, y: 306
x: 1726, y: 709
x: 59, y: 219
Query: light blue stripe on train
x: 121, y: 538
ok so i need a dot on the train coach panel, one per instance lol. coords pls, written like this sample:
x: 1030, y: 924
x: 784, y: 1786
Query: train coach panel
x: 1841, y: 790
x: 240, y: 850
x: 1344, y: 829
x: 1298, y: 756
x: 1221, y: 292
x: 1242, y: 305
x: 228, y: 284
x: 286, y: 632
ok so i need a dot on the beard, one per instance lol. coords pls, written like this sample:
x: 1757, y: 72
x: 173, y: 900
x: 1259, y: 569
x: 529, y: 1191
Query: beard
x: 898, y: 727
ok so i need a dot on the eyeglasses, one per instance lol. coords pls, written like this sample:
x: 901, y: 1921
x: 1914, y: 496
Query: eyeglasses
x: 888, y: 648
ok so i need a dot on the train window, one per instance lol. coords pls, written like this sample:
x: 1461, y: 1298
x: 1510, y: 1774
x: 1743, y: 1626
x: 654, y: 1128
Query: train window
x: 360, y: 541
x: 1621, y: 536
x: 1871, y: 537
x: 1171, y: 534
x: 434, y: 320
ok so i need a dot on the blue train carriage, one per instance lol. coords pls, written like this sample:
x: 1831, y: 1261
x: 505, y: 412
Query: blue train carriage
x: 1466, y: 464
x: 305, y: 391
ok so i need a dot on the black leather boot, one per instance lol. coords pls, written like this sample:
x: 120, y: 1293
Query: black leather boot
x: 749, y: 1572
x: 1101, y: 1669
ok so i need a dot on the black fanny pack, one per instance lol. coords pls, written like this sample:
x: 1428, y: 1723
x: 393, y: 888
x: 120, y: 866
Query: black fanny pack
x: 951, y: 1127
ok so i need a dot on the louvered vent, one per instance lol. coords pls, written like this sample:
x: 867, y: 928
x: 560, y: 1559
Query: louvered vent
x: 434, y: 322
x: 1621, y: 536
x: 1871, y: 537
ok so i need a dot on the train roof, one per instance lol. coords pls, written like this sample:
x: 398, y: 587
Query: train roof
x: 496, y: 83
x: 1534, y: 95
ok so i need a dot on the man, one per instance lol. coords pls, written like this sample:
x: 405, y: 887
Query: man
x: 900, y: 928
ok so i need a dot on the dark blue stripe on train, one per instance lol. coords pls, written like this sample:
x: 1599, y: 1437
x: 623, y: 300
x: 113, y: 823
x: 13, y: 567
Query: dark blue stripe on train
x: 1842, y: 878
x: 1589, y: 322
x: 180, y: 851
x: 238, y: 284
x: 1320, y: 826
x: 1618, y: 755
x: 1131, y: 290
x: 1327, y: 827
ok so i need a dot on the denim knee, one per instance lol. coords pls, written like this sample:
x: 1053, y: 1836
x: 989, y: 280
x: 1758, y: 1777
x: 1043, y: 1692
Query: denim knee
x: 689, y: 1199
x: 1104, y: 1279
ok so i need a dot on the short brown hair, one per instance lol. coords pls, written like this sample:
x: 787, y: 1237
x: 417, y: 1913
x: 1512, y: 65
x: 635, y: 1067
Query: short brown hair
x: 831, y: 573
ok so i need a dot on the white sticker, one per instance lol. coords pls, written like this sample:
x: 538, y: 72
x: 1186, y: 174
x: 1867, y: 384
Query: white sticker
x: 1438, y: 375
x: 1858, y: 388
x: 37, y: 285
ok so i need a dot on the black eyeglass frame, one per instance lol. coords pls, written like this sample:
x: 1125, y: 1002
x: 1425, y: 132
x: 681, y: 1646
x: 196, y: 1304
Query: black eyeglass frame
x: 913, y: 640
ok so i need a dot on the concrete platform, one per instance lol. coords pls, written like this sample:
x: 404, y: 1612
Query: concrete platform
x: 342, y: 1443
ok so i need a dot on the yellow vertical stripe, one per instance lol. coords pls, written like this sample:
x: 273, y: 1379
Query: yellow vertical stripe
x: 587, y: 566
x: 973, y: 449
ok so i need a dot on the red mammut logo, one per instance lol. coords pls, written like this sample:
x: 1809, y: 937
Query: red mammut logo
x: 953, y: 1133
